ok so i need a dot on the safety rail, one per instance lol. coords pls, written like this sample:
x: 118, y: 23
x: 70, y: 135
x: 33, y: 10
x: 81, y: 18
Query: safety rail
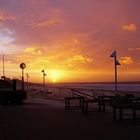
x: 90, y: 92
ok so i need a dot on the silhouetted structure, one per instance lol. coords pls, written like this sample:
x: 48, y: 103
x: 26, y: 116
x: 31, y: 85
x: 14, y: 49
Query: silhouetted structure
x: 116, y: 63
x: 3, y: 77
x: 43, y: 76
x: 23, y: 66
x: 9, y: 93
x: 5, y: 84
x: 27, y: 76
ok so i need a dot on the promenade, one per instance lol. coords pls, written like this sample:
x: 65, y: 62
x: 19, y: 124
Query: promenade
x: 40, y: 119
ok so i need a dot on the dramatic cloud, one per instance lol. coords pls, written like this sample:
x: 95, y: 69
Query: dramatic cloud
x: 4, y: 16
x: 33, y: 51
x: 46, y: 19
x: 7, y: 40
x: 126, y: 60
x: 81, y: 58
x: 134, y: 49
x: 70, y: 37
x: 129, y: 27
x: 47, y: 23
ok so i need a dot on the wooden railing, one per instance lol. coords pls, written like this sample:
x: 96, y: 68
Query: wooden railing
x: 90, y: 93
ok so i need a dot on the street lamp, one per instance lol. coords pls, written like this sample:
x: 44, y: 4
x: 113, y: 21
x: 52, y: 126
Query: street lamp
x: 27, y: 76
x: 43, y: 76
x: 116, y: 63
x: 22, y: 66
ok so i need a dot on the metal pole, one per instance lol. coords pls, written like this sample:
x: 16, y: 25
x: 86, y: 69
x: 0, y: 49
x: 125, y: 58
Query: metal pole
x: 44, y: 79
x: 116, y: 86
x: 116, y: 63
x: 22, y: 66
x: 3, y: 65
x: 22, y: 79
x: 27, y: 76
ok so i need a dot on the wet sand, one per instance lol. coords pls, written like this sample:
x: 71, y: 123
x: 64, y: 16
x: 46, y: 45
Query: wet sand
x: 41, y: 119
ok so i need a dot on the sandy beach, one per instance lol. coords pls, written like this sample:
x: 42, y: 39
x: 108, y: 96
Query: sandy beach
x: 47, y: 119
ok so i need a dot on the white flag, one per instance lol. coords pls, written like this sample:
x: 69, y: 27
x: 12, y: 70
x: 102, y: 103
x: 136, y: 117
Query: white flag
x: 113, y: 54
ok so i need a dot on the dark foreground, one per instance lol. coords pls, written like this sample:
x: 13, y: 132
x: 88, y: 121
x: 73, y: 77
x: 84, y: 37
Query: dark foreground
x: 36, y: 121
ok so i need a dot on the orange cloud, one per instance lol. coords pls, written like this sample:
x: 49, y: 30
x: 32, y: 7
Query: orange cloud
x: 126, y: 60
x: 34, y: 51
x: 47, y: 18
x: 38, y: 63
x: 134, y: 49
x: 46, y: 23
x: 4, y: 16
x: 129, y: 27
x: 81, y: 58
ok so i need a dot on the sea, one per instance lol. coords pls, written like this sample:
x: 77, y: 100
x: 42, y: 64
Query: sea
x: 122, y: 86
x: 107, y: 88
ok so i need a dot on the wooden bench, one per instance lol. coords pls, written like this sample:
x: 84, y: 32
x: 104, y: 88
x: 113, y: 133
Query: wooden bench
x: 86, y: 105
x: 83, y: 103
x: 132, y: 104
x: 101, y: 102
x: 79, y: 100
x: 118, y: 111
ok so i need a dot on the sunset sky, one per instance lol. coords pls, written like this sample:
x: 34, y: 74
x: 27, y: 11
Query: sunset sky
x: 71, y: 39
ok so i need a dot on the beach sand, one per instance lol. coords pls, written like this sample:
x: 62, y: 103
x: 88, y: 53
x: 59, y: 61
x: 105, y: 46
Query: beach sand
x: 46, y: 119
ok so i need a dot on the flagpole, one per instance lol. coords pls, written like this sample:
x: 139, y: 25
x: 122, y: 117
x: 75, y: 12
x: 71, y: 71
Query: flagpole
x: 44, y: 80
x: 116, y: 63
x: 43, y: 77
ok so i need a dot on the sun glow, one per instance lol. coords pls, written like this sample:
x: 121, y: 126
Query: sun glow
x: 54, y: 80
x: 55, y: 75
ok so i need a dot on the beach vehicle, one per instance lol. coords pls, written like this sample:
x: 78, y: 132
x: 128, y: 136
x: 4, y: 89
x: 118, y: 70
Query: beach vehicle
x: 9, y: 93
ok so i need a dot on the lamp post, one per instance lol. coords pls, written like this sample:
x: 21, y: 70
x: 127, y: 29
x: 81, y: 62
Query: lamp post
x: 43, y: 76
x: 116, y: 63
x: 22, y: 66
x: 27, y: 76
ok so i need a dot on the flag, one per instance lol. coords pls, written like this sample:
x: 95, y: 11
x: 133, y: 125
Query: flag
x: 113, y: 54
x: 117, y: 62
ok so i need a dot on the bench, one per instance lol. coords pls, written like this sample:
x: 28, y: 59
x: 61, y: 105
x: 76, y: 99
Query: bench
x: 101, y: 101
x: 118, y: 111
x: 77, y: 99
x: 124, y: 103
x: 87, y: 102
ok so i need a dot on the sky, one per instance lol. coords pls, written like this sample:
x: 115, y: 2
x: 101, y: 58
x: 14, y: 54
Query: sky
x: 72, y: 40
